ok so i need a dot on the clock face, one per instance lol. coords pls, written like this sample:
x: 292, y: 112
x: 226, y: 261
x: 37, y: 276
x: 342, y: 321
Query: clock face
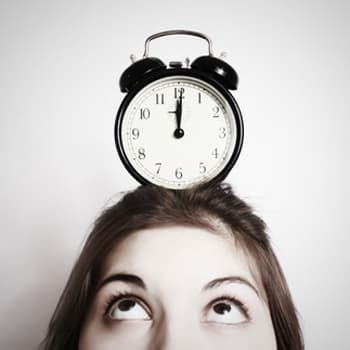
x: 177, y: 131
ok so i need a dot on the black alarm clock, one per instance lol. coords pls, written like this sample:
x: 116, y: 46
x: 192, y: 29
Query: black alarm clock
x: 178, y: 125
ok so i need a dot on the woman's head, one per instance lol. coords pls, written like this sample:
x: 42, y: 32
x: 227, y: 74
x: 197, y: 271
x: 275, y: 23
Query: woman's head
x: 166, y: 269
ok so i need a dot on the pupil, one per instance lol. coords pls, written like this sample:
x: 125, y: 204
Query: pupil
x: 126, y: 305
x: 222, y: 308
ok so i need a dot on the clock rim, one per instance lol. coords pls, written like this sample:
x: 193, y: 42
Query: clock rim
x: 152, y: 77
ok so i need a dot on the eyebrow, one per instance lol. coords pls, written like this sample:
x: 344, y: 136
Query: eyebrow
x: 137, y: 281
x: 229, y: 279
x: 124, y: 277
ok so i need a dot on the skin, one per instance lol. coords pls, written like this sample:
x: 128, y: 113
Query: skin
x: 173, y: 304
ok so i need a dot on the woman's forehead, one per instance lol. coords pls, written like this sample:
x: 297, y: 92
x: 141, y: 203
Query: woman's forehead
x: 185, y: 255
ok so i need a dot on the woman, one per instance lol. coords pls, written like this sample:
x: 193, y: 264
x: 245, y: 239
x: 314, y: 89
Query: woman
x: 165, y: 269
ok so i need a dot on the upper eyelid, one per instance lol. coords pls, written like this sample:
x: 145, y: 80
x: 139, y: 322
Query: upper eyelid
x: 215, y: 295
x: 236, y: 301
x: 109, y: 304
x: 244, y: 309
x: 246, y: 296
x: 125, y: 295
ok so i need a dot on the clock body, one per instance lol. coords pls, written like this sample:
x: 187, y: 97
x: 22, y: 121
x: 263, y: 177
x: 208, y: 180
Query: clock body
x: 149, y: 120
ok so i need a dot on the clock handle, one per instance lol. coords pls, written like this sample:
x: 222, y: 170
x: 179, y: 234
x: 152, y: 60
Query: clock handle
x: 176, y: 32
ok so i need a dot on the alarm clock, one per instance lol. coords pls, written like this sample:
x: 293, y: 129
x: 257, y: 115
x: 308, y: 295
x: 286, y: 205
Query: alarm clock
x: 178, y: 124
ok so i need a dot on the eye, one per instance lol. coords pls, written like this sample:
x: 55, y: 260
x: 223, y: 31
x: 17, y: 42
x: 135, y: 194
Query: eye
x: 127, y: 308
x: 227, y: 311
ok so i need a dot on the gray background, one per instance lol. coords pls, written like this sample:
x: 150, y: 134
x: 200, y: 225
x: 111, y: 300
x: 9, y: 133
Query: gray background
x: 60, y: 65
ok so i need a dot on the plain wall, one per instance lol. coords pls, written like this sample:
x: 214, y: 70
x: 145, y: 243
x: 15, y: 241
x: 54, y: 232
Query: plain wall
x: 60, y: 66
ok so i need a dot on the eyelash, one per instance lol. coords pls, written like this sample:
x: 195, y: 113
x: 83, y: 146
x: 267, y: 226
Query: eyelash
x: 120, y: 295
x: 241, y: 305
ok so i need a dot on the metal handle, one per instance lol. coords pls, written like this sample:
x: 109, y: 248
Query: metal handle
x: 176, y: 32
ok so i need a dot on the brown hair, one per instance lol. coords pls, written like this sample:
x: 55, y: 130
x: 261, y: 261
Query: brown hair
x: 151, y: 206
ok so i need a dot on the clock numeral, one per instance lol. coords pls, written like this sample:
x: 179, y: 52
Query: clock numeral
x: 179, y: 92
x: 142, y: 154
x: 216, y: 110
x: 178, y: 173
x: 222, y: 133
x: 215, y: 153
x: 202, y: 168
x: 159, y: 99
x: 135, y: 133
x: 158, y: 165
x: 145, y: 113
x: 199, y: 97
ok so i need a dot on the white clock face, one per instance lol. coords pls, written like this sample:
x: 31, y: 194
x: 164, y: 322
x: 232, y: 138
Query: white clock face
x: 178, y: 131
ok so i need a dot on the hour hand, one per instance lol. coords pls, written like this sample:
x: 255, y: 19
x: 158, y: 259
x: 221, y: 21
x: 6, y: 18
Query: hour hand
x: 172, y: 112
x: 178, y: 133
x: 179, y: 112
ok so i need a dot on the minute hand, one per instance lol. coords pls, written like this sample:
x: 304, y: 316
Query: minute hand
x: 179, y: 113
x: 178, y: 133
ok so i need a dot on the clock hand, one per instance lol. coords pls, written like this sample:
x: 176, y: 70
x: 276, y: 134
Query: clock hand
x: 175, y: 110
x: 178, y: 133
x: 178, y: 114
